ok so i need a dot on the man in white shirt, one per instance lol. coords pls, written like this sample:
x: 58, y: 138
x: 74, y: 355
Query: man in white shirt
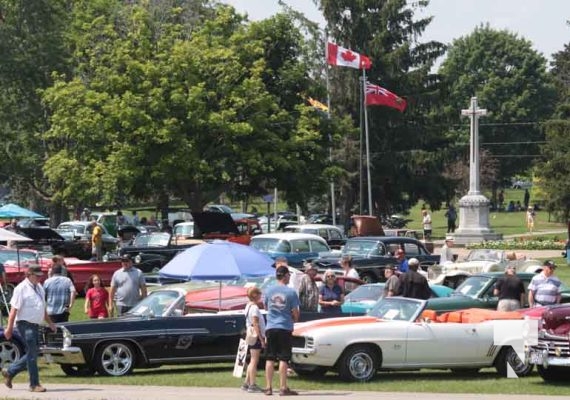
x: 446, y: 254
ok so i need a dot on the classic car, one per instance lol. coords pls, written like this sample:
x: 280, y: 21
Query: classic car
x: 363, y: 298
x: 370, y: 254
x: 477, y: 291
x: 295, y: 247
x: 482, y: 260
x: 333, y: 235
x: 79, y: 270
x: 398, y: 335
x: 552, y: 352
x: 80, y: 232
x: 11, y: 350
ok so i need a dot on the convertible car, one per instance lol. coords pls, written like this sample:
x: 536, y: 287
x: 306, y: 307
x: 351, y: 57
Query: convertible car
x: 400, y: 334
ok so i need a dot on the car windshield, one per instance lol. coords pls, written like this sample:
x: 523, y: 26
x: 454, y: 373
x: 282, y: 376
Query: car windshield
x: 484, y: 255
x: 365, y: 292
x: 271, y: 245
x: 184, y: 230
x: 249, y: 282
x: 14, y: 255
x: 158, y: 303
x: 159, y: 239
x: 79, y: 229
x: 397, y: 309
x: 361, y: 248
x: 141, y: 240
x: 472, y: 286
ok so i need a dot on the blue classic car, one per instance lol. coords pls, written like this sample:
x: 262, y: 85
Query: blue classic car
x: 363, y: 298
x: 295, y: 247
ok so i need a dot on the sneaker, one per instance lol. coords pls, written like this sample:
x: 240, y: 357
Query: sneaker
x: 244, y: 387
x: 254, y: 389
x: 288, y: 392
x: 37, y: 389
x: 7, y: 379
x: 268, y: 391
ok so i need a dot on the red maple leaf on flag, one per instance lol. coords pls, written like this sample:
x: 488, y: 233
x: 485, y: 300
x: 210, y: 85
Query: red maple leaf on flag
x: 348, y: 56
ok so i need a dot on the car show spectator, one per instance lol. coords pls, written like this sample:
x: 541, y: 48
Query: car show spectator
x: 530, y: 219
x: 426, y: 223
x: 331, y: 295
x: 413, y: 284
x: 282, y: 305
x: 510, y: 290
x: 526, y: 199
x: 96, y: 298
x: 544, y: 288
x: 135, y: 219
x: 308, y: 289
x: 402, y: 261
x: 446, y: 254
x: 253, y: 318
x: 28, y: 311
x: 60, y: 295
x: 349, y: 271
x: 85, y: 214
x: 392, y: 285
x: 58, y: 260
x: 451, y: 216
x: 96, y: 241
x: 296, y: 275
x: 128, y: 287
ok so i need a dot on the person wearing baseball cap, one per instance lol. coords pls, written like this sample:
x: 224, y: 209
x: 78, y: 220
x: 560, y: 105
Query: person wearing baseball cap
x: 544, y: 288
x: 308, y: 289
x: 28, y: 311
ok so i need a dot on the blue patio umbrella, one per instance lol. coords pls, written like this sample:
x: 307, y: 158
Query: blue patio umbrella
x: 15, y: 211
x: 218, y: 261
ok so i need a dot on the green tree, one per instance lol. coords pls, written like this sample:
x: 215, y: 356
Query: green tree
x: 157, y: 105
x: 554, y: 170
x: 31, y: 48
x: 510, y: 80
x: 406, y: 149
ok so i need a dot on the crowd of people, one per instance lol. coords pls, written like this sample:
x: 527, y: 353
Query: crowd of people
x: 33, y: 303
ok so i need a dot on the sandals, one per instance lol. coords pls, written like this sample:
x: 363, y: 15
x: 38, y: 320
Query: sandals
x: 268, y: 391
x: 288, y: 392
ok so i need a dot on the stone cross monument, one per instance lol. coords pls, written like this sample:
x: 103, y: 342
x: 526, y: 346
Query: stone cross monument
x: 474, y: 207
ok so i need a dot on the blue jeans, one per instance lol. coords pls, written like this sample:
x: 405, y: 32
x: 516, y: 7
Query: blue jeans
x: 29, y: 361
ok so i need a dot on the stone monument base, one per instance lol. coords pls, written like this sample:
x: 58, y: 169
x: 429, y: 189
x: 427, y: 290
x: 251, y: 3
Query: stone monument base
x: 474, y: 221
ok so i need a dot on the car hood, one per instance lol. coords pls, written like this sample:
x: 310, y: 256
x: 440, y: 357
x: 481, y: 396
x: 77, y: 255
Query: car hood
x: 305, y: 327
x: 214, y: 222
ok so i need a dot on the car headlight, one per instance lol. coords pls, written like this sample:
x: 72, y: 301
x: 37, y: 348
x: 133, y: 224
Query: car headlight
x: 66, y: 337
x: 138, y: 259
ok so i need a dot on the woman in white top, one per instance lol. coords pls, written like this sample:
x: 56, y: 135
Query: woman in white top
x: 426, y: 222
x: 254, y: 318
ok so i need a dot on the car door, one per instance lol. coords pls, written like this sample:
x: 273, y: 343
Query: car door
x: 433, y: 344
x: 203, y: 336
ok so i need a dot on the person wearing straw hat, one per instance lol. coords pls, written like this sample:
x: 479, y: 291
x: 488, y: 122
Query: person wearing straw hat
x: 27, y: 313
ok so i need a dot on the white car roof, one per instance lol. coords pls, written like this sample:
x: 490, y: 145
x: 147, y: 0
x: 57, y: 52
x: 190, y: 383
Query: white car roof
x: 313, y: 226
x: 289, y: 236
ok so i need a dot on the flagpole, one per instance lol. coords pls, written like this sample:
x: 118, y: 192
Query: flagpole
x: 361, y: 145
x: 367, y: 145
x: 333, y: 203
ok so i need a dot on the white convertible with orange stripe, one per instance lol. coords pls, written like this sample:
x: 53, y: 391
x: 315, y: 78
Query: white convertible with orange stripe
x: 398, y: 334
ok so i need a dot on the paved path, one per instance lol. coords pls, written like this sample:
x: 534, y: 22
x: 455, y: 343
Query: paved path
x: 117, y: 392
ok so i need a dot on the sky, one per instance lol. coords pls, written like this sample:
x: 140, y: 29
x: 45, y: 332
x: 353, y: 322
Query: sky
x: 543, y: 22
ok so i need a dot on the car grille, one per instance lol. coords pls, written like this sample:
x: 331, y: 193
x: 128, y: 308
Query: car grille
x: 299, y: 341
x: 51, y: 339
x: 557, y: 346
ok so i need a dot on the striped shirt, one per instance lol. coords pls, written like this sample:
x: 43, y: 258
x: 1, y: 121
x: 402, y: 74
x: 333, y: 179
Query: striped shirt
x: 545, y: 289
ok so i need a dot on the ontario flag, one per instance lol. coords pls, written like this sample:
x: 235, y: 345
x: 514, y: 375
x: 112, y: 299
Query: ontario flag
x: 342, y: 57
x: 378, y: 96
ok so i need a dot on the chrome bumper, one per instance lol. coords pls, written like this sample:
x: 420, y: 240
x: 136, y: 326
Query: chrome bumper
x: 66, y: 355
x: 541, y: 357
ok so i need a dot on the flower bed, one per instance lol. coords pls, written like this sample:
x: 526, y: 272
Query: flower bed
x: 523, y: 243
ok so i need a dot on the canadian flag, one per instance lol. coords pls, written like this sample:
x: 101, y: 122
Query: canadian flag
x: 342, y: 57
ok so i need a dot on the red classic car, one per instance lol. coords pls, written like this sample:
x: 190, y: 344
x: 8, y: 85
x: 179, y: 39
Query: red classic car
x: 16, y: 262
x: 234, y: 295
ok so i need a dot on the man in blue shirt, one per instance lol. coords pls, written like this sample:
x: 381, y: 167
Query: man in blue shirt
x: 402, y: 262
x: 282, y: 305
x: 60, y: 295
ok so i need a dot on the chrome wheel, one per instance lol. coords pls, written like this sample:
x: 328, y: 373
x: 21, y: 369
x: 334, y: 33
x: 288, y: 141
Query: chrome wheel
x: 10, y: 352
x: 115, y: 359
x: 359, y: 363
